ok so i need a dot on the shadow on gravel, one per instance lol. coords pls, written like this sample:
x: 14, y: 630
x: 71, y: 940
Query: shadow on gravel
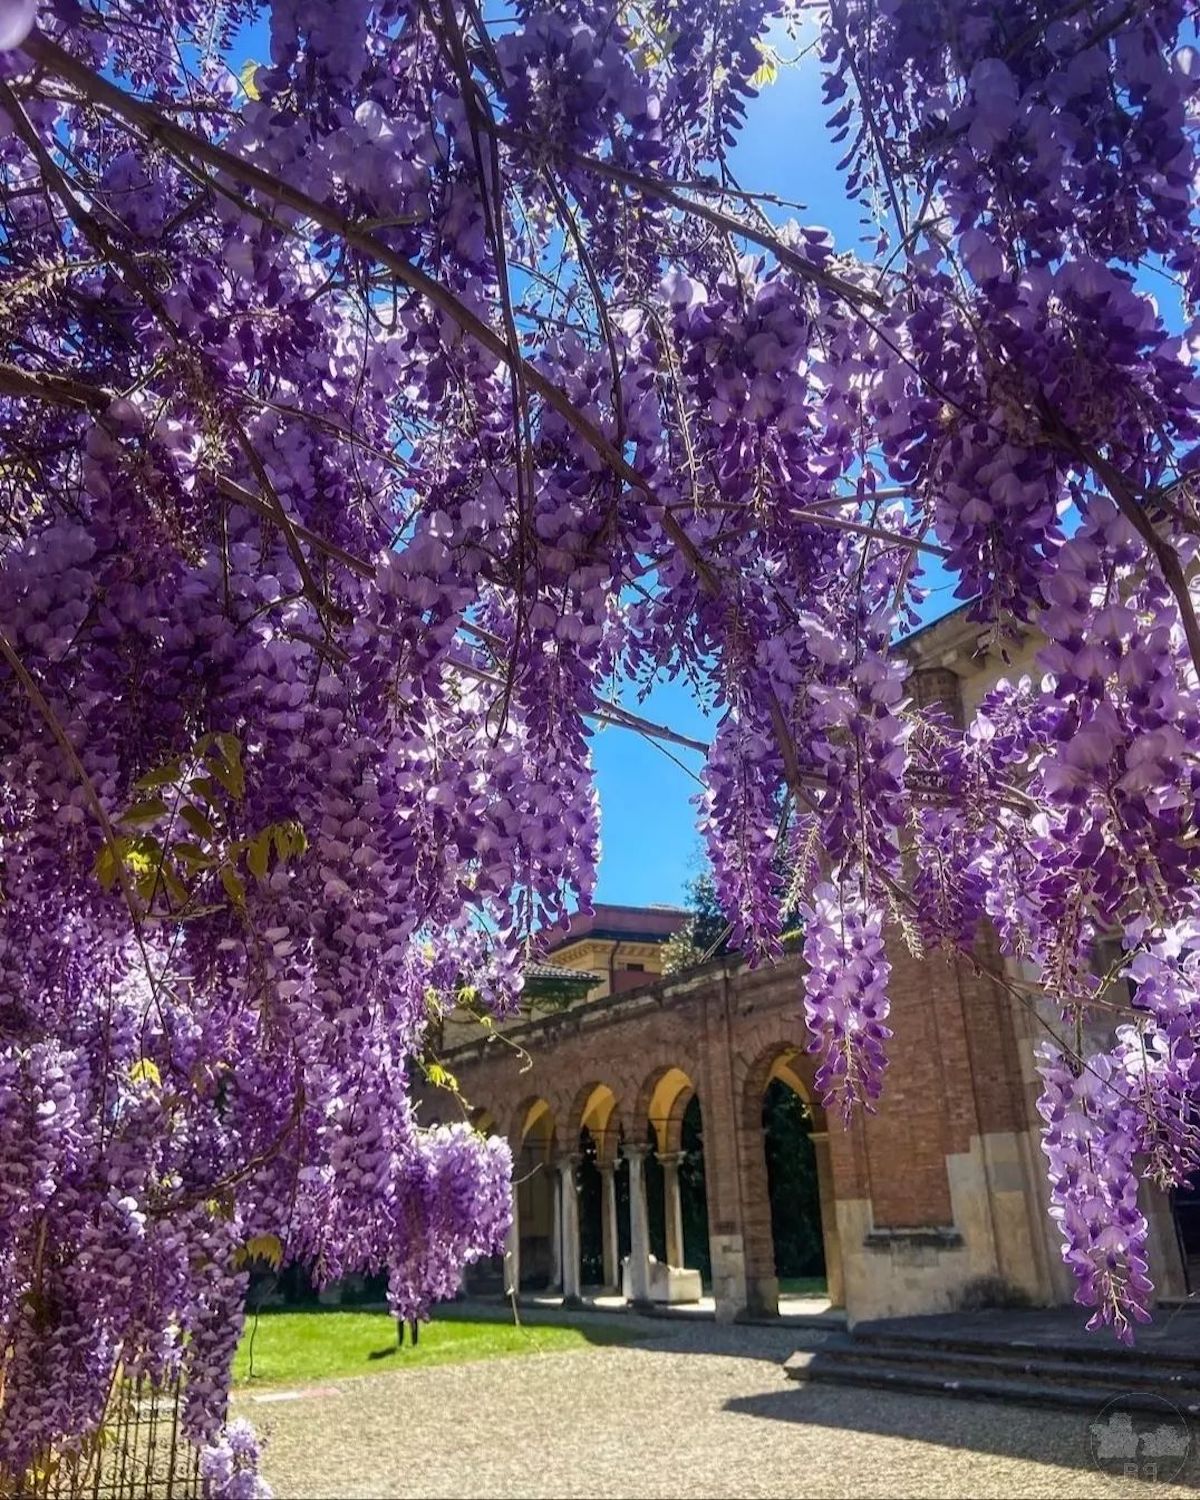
x: 1098, y: 1442
x: 666, y: 1335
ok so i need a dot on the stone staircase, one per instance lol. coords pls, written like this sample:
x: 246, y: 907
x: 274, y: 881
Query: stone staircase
x: 1038, y: 1358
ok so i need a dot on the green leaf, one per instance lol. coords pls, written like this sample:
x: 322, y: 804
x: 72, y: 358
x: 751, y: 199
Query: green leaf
x: 290, y: 841
x: 193, y: 855
x: 233, y: 781
x: 108, y: 863
x: 197, y: 822
x: 235, y: 887
x: 228, y: 770
x: 258, y: 855
x: 147, y: 811
x: 165, y: 776
x: 176, y: 889
x: 230, y: 747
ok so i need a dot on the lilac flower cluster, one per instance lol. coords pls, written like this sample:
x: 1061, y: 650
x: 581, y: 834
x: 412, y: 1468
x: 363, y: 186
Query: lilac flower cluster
x: 1090, y: 1142
x: 230, y: 1464
x: 845, y: 999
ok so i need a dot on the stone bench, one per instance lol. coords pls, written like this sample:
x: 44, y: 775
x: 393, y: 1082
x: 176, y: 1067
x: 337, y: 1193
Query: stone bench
x: 668, y: 1284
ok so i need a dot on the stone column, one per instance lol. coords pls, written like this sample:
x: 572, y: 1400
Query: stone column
x: 556, y: 1266
x: 639, y: 1225
x: 829, y: 1229
x: 610, y: 1234
x: 568, y: 1197
x: 672, y: 1206
x: 512, y: 1251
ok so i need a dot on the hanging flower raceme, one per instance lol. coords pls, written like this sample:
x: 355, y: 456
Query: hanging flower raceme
x: 1160, y: 1054
x: 845, y: 997
x: 1091, y: 1138
x: 230, y: 1464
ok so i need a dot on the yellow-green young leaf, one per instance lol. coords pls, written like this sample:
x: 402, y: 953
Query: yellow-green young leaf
x: 235, y: 887
x: 268, y: 1247
x: 145, y: 1071
x: 258, y: 855
x: 768, y: 70
x: 246, y: 79
x: 147, y: 811
x: 468, y: 995
x: 441, y: 1078
x: 142, y: 855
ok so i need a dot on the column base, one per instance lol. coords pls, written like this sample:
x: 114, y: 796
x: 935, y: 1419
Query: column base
x: 572, y: 1302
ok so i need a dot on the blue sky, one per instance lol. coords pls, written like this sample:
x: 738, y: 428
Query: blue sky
x: 647, y: 822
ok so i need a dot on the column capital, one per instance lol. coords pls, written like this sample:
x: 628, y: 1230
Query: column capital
x: 569, y: 1160
x: 606, y: 1168
x: 633, y: 1152
x: 671, y: 1158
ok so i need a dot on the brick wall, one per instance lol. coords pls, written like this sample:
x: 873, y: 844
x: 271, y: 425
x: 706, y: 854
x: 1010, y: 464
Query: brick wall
x: 954, y: 1076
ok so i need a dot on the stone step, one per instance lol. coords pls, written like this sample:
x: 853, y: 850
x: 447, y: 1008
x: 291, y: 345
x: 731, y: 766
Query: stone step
x: 1178, y: 1383
x: 815, y: 1366
x: 1088, y: 1350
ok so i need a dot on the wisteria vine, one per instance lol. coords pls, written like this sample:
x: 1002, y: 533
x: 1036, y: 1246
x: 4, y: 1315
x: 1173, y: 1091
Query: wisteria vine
x: 381, y: 387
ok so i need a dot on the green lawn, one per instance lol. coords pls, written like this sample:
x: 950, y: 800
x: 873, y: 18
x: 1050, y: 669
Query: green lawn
x: 299, y: 1348
x: 804, y: 1286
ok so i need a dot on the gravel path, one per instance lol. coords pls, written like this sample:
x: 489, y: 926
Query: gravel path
x: 695, y: 1410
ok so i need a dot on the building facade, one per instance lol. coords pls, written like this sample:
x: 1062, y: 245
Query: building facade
x: 937, y: 1195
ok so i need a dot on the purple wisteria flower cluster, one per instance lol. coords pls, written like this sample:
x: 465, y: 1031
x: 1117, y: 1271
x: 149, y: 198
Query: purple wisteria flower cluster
x: 230, y: 1464
x: 372, y: 407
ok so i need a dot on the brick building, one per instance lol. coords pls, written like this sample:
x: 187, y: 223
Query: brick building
x: 942, y: 1187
